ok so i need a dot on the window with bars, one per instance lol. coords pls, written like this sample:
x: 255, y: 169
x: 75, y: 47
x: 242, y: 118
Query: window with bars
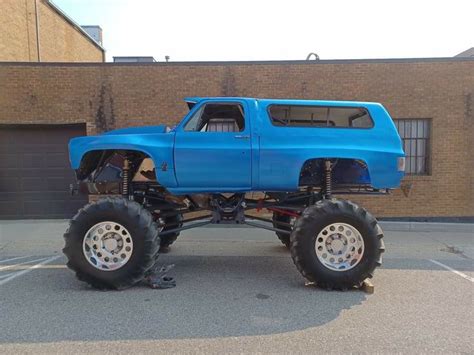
x: 415, y: 135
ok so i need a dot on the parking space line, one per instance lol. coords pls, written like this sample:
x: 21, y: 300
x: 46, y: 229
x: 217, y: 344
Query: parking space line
x: 6, y: 275
x: 23, y: 263
x: 31, y: 268
x: 459, y: 273
x: 17, y: 258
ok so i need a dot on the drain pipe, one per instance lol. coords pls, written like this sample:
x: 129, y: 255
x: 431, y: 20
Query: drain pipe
x: 37, y: 31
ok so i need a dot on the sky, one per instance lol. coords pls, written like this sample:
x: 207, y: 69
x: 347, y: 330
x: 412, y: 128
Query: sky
x: 210, y: 30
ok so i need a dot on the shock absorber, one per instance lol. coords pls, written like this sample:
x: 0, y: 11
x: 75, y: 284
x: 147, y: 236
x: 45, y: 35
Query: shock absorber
x: 328, y: 179
x: 125, y: 177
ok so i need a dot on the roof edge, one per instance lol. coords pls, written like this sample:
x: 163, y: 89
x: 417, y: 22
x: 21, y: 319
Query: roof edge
x: 78, y: 27
x: 250, y: 62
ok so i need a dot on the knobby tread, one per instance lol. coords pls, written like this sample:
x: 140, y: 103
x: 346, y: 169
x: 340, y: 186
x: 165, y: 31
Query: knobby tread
x: 284, y: 238
x: 138, y: 218
x: 312, y: 221
x: 171, y: 222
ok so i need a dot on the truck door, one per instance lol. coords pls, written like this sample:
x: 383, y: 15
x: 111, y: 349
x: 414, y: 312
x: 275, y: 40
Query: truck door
x: 213, y: 149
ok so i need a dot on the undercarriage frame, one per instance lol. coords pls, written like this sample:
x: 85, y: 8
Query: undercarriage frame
x: 231, y: 208
x: 222, y: 208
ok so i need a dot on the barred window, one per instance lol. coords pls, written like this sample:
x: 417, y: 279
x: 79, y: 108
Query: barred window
x: 415, y: 135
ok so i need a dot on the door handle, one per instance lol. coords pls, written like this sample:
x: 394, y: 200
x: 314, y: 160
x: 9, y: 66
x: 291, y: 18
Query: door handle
x: 242, y: 136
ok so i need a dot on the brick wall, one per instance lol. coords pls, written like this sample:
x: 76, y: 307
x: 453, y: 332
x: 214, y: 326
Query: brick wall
x: 59, y: 41
x: 107, y: 96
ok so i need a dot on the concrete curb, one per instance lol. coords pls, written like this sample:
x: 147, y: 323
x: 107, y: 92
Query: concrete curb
x: 392, y: 226
x: 427, y: 227
x: 386, y: 225
x: 32, y: 221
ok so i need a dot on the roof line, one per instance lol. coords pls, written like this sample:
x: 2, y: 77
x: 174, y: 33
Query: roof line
x: 198, y: 99
x: 258, y: 62
x: 73, y: 23
x: 91, y: 26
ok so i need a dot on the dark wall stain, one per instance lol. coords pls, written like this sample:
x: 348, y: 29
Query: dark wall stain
x: 105, y: 115
x: 32, y: 100
x: 304, y: 89
x: 228, y: 83
x: 469, y: 112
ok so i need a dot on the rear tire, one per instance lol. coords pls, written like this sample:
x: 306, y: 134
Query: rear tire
x: 336, y: 244
x: 108, y: 231
x: 284, y: 237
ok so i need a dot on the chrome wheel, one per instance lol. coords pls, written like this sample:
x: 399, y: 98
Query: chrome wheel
x: 107, y: 246
x: 339, y: 247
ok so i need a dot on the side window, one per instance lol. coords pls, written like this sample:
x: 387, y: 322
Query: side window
x: 193, y: 123
x: 319, y: 116
x: 225, y: 117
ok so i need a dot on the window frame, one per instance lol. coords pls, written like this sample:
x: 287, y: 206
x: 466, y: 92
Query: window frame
x: 322, y: 106
x: 428, y: 145
x: 202, y: 105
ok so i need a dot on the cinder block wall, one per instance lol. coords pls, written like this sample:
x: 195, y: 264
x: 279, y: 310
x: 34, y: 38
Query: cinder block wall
x: 108, y: 96
x: 59, y: 41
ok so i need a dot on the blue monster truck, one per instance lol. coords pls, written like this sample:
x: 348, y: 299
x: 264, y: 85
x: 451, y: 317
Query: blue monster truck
x: 298, y: 154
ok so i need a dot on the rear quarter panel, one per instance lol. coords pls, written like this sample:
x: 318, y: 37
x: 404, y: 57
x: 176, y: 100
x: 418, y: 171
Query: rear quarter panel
x: 283, y: 150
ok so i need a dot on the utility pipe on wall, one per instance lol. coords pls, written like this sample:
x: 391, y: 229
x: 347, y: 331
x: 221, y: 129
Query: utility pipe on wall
x: 37, y: 32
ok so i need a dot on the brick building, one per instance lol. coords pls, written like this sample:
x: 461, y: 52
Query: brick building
x: 38, y: 31
x: 42, y: 105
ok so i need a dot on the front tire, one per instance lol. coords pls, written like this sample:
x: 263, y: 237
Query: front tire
x: 112, y: 243
x: 336, y: 244
x: 171, y: 222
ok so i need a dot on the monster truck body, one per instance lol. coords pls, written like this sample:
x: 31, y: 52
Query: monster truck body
x: 260, y: 156
x: 298, y: 153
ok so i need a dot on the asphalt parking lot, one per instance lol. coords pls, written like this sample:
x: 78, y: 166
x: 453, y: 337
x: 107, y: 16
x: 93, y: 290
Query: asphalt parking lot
x: 238, y: 291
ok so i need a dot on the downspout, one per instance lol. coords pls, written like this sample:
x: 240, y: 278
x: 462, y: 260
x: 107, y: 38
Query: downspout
x: 37, y: 32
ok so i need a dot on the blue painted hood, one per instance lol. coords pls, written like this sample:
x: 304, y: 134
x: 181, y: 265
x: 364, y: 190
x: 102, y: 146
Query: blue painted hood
x: 138, y: 130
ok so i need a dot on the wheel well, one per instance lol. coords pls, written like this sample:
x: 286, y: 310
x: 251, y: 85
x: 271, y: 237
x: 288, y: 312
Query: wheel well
x: 105, y: 162
x: 345, y: 171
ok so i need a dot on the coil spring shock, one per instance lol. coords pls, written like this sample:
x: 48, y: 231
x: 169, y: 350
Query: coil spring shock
x: 125, y: 177
x: 328, y: 179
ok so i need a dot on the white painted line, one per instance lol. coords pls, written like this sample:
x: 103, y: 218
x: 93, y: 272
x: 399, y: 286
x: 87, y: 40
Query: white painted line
x: 23, y: 263
x: 459, y: 273
x: 6, y: 275
x: 19, y: 257
x: 31, y: 268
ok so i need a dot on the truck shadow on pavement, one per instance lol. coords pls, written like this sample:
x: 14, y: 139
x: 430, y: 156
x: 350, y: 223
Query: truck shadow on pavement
x: 215, y: 296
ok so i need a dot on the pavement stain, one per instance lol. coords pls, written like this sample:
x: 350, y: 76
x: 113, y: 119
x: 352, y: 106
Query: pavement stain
x: 262, y: 296
x: 454, y: 250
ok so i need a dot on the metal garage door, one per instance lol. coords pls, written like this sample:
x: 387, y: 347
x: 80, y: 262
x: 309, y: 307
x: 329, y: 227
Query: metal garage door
x: 35, y: 173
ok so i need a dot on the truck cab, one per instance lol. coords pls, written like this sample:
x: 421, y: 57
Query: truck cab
x: 213, y: 146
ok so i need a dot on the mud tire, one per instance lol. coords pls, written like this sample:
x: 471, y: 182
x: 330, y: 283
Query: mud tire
x: 313, y: 220
x: 283, y: 237
x: 143, y: 231
x: 171, y: 223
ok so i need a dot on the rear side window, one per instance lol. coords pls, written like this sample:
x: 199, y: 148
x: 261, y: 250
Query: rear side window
x: 319, y: 116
